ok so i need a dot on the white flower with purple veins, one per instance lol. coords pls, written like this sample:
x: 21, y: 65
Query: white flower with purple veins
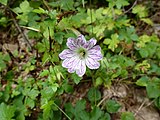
x: 80, y: 54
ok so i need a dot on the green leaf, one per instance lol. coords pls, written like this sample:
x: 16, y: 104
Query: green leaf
x: 55, y: 87
x: 21, y: 109
x: 40, y: 47
x: 2, y: 65
x: 40, y: 11
x: 111, y: 24
x: 17, y: 10
x: 3, y: 21
x: 63, y: 4
x: 140, y: 11
x: 143, y: 81
x: 76, y: 78
x: 96, y: 113
x: 57, y: 72
x: 59, y: 37
x: 83, y: 3
x: 111, y: 3
x: 23, y: 12
x: 99, y: 81
x: 47, y: 109
x: 4, y: 58
x: 80, y: 113
x: 55, y: 57
x: 158, y: 53
x: 154, y: 69
x: 143, y: 40
x: 98, y: 30
x: 47, y: 93
x: 153, y: 88
x: 121, y: 3
x: 6, y: 112
x: 69, y: 109
x: 127, y: 116
x: 68, y: 88
x: 88, y: 19
x: 147, y: 20
x: 128, y: 34
x: 145, y: 65
x: 15, y: 93
x: 7, y: 92
x: 152, y: 46
x: 78, y: 19
x: 121, y: 22
x: 64, y: 24
x: 45, y: 58
x: 94, y: 95
x: 113, y: 42
x: 44, y: 73
x: 4, y: 2
x: 157, y: 102
x: 80, y: 105
x: 106, y: 116
x: 33, y: 93
x: 118, y: 3
x: 144, y: 53
x: 67, y: 5
x: 9, y: 75
x: 25, y: 7
x: 29, y: 102
x: 148, y: 50
x: 112, y: 106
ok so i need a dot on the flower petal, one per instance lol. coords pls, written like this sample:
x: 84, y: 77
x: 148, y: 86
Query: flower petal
x: 90, y: 43
x: 95, y: 53
x: 66, y: 54
x: 71, y: 70
x: 96, y: 48
x: 71, y: 43
x: 96, y: 56
x: 73, y: 67
x: 92, y: 64
x: 81, y: 40
x: 81, y: 68
x: 69, y: 62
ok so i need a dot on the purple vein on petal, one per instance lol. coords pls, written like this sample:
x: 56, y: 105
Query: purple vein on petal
x: 68, y: 62
x: 73, y: 67
x: 88, y: 50
x: 81, y: 68
x: 71, y: 43
x: 81, y: 40
x: 66, y: 54
x: 92, y: 64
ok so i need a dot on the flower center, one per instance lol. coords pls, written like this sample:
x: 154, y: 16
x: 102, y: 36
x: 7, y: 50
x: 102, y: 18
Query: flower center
x: 82, y: 53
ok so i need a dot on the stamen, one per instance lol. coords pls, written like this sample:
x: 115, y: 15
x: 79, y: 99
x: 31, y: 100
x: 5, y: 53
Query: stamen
x: 82, y: 53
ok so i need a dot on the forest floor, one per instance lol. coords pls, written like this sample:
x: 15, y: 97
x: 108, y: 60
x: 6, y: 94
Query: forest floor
x: 131, y: 97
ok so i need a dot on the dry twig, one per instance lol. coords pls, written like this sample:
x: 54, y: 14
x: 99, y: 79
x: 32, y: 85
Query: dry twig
x: 21, y: 32
x: 135, y: 2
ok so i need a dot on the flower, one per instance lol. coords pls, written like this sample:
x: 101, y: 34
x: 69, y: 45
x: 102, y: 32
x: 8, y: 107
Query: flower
x: 81, y: 53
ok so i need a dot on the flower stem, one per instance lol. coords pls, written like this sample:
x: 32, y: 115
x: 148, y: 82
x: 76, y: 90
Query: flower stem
x: 91, y: 16
x: 93, y: 80
x: 62, y: 111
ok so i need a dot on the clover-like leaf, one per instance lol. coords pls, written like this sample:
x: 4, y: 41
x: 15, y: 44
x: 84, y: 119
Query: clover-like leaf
x: 6, y: 112
x: 112, y: 106
x: 127, y: 116
x: 113, y: 42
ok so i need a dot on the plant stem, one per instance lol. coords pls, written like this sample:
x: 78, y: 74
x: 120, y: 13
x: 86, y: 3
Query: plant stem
x: 62, y: 111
